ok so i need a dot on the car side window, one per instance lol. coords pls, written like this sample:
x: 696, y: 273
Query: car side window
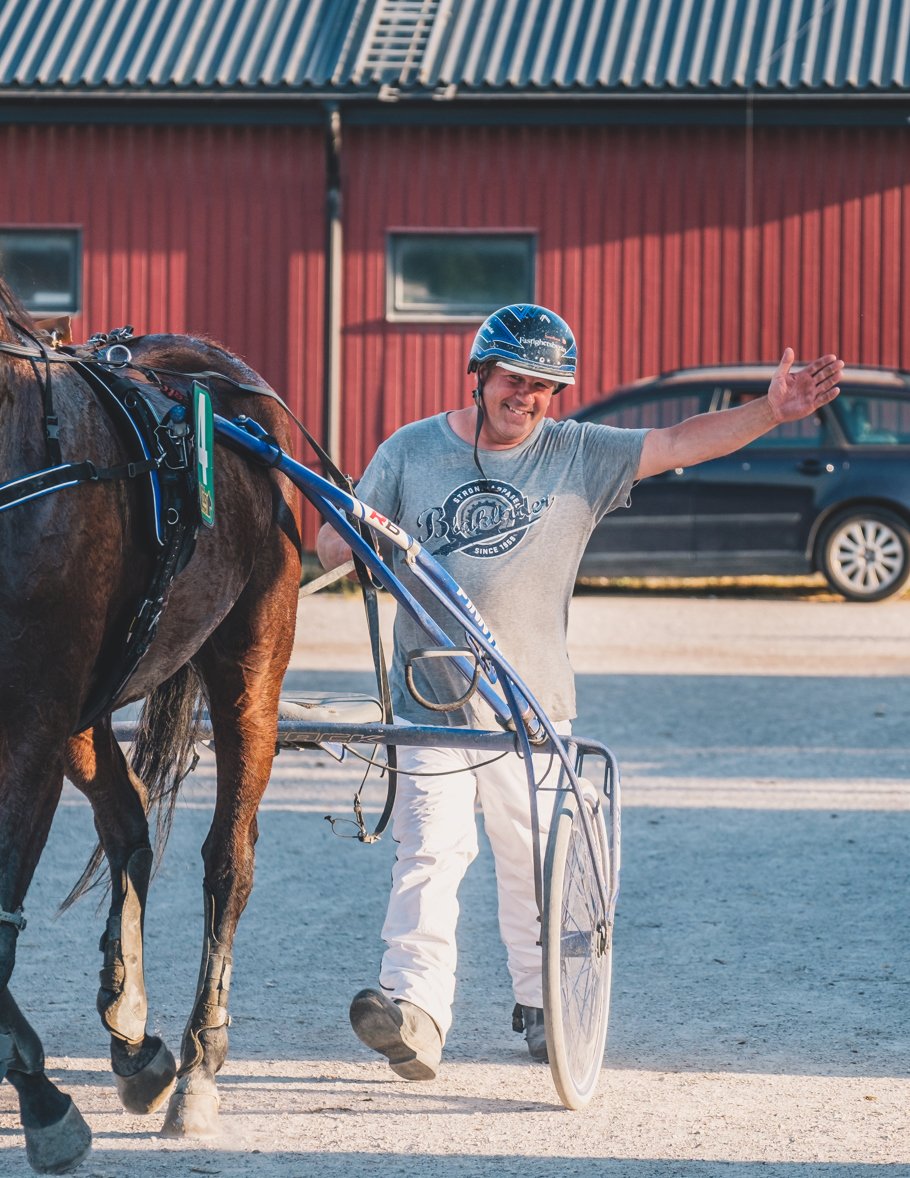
x: 653, y: 412
x: 810, y: 431
x: 874, y: 420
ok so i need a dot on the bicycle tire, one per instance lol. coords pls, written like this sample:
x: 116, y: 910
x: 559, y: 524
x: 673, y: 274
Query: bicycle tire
x: 577, y: 952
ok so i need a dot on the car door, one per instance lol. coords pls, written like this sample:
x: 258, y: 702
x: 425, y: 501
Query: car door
x: 657, y: 533
x: 754, y: 509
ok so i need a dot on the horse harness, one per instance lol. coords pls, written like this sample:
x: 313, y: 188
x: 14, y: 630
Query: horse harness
x: 157, y: 430
x: 159, y: 433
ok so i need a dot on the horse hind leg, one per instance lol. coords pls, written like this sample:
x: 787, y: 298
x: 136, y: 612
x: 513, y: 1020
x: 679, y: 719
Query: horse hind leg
x: 144, y: 1069
x: 243, y: 767
x: 193, y: 1107
x: 243, y: 665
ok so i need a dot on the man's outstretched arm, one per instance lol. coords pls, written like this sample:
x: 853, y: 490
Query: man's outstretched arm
x: 791, y: 396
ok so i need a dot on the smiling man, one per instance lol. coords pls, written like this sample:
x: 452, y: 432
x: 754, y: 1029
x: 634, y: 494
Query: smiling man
x: 506, y: 498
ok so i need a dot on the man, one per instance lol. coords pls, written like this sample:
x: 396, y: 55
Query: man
x: 505, y: 498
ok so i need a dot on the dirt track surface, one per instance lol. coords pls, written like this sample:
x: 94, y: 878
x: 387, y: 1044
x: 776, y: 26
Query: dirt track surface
x: 759, y: 1023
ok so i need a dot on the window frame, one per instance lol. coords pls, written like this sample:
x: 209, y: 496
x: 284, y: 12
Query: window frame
x: 397, y: 312
x: 75, y: 235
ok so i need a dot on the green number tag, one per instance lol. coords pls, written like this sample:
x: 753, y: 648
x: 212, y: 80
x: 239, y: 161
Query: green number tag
x: 205, y: 450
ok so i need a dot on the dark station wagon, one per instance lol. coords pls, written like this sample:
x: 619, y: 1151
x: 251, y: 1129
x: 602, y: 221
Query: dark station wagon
x: 830, y: 493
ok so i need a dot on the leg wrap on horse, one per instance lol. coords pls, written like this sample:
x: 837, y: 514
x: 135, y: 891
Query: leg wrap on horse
x: 210, y: 1011
x: 193, y: 1108
x: 122, y: 1001
x: 20, y: 1047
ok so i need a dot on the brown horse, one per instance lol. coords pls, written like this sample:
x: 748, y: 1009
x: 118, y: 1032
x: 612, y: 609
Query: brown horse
x: 74, y: 565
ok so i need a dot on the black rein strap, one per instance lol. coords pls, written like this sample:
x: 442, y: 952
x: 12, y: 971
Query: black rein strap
x: 371, y: 608
x: 51, y: 424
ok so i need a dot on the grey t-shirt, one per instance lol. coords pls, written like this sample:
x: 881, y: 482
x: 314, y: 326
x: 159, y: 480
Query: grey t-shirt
x: 513, y: 541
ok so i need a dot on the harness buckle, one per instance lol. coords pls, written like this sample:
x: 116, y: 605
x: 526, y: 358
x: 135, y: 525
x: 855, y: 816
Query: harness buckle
x: 136, y: 468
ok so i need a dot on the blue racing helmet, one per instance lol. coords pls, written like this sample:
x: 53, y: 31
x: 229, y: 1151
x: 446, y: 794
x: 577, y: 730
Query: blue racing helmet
x: 526, y: 339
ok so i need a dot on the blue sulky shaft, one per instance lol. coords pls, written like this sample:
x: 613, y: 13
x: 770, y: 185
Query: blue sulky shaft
x: 335, y: 504
x: 518, y: 711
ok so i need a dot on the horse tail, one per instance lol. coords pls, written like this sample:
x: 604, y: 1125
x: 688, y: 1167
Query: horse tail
x: 164, y: 751
x: 163, y: 754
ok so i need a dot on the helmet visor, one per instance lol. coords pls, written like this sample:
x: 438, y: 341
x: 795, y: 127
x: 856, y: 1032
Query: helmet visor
x: 535, y: 374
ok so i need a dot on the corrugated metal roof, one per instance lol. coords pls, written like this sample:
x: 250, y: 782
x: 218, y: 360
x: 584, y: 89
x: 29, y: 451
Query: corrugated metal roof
x: 142, y: 45
x: 677, y: 45
x: 474, y: 47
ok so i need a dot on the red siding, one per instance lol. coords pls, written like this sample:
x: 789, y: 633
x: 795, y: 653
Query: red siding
x: 216, y: 231
x: 212, y: 230
x: 662, y: 246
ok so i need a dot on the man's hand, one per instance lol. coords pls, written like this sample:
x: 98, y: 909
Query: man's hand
x: 794, y: 395
x: 332, y: 550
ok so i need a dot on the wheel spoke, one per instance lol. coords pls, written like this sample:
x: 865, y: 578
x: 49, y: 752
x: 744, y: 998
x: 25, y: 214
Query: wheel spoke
x: 576, y: 956
x: 578, y: 968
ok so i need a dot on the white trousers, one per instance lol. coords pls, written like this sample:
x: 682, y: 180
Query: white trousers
x: 435, y: 827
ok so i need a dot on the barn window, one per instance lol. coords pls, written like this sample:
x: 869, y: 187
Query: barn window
x: 43, y: 267
x: 433, y: 276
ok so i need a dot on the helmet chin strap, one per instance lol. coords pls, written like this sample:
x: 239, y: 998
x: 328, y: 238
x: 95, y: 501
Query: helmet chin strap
x: 478, y: 401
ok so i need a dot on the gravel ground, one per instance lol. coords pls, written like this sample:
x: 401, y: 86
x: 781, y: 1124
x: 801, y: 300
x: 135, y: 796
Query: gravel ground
x: 759, y: 1022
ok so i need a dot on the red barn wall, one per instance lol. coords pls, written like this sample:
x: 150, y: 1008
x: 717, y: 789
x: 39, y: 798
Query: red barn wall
x: 217, y: 230
x: 663, y: 246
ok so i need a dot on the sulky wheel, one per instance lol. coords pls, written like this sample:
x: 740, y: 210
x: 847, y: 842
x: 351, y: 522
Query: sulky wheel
x: 577, y: 951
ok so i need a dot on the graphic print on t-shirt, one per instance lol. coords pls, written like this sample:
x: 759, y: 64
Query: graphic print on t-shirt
x: 486, y: 517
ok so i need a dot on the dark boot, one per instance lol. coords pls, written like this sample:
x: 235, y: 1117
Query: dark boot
x: 530, y: 1020
x: 399, y: 1030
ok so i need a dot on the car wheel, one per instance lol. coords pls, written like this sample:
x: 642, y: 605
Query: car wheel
x: 865, y: 554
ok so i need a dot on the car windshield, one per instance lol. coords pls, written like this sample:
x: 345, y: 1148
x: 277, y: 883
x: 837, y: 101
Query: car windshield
x: 874, y: 420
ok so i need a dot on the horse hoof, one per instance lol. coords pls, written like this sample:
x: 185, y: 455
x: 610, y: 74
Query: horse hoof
x: 59, y: 1148
x: 148, y: 1089
x: 192, y: 1114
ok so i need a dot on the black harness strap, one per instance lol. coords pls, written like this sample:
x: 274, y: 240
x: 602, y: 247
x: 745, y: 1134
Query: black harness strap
x: 141, y: 631
x: 180, y: 525
x: 51, y: 424
x: 68, y: 474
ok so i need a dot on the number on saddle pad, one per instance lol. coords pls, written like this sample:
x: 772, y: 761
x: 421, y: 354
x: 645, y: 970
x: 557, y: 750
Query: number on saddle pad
x: 205, y: 445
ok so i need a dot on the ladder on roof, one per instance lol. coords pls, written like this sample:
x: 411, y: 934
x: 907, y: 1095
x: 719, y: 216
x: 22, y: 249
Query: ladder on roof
x: 395, y: 44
